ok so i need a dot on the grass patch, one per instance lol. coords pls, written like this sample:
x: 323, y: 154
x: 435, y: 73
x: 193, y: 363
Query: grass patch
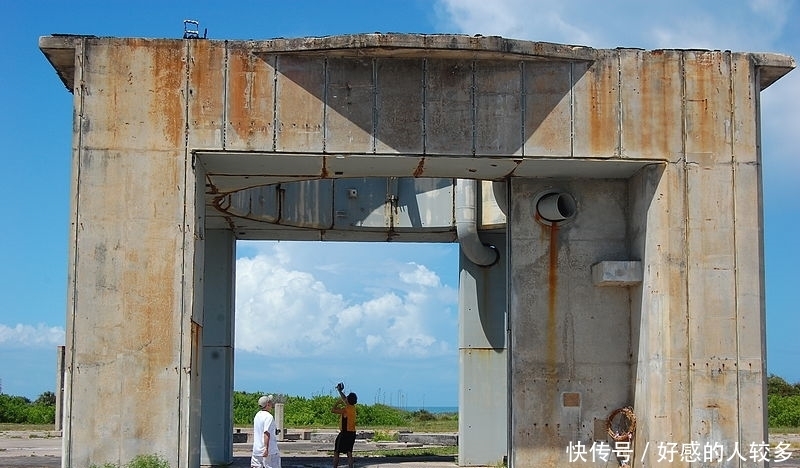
x: 26, y: 427
x: 444, y: 451
x: 784, y: 430
x: 384, y: 436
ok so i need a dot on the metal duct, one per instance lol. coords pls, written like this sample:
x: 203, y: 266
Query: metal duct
x: 500, y: 196
x: 556, y: 206
x: 467, y: 225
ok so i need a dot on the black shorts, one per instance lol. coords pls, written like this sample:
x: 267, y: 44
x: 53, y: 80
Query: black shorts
x: 345, y: 441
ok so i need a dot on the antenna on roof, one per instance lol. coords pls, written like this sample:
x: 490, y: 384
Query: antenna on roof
x: 191, y: 29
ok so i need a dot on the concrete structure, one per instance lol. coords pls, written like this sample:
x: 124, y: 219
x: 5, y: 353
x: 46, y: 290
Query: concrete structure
x: 619, y: 190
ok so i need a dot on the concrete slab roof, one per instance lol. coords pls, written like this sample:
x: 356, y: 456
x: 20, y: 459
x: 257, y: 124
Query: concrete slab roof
x: 60, y: 50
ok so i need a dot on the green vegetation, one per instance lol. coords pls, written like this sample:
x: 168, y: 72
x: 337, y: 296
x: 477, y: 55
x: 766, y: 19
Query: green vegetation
x: 140, y: 461
x: 444, y: 451
x: 20, y: 410
x: 301, y: 412
x: 19, y: 413
x: 783, y: 403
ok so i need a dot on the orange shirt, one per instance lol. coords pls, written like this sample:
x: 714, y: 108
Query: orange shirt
x: 349, y: 418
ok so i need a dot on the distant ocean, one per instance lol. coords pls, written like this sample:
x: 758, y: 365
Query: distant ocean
x: 432, y: 409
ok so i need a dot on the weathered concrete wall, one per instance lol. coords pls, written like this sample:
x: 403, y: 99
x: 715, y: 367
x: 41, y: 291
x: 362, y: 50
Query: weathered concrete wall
x: 129, y: 330
x: 695, y: 341
x: 570, y: 340
x: 660, y: 149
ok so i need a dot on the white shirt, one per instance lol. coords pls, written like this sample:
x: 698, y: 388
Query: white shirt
x: 264, y: 422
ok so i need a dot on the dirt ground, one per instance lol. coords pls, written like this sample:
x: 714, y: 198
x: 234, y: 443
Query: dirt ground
x: 42, y: 449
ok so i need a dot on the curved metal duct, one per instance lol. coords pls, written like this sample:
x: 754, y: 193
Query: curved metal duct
x: 556, y: 206
x: 467, y: 225
x: 500, y: 195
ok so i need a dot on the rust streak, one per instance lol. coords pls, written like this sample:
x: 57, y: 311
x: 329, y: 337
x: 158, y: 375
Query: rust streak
x: 420, y: 168
x: 168, y: 76
x: 324, y: 173
x: 552, y: 291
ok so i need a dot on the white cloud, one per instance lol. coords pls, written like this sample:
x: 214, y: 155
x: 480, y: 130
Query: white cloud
x: 28, y: 336
x: 678, y: 24
x: 420, y: 275
x: 781, y: 127
x: 283, y: 309
x: 518, y: 19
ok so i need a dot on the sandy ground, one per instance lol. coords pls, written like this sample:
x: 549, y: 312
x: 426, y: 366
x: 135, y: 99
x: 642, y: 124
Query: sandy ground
x: 42, y: 449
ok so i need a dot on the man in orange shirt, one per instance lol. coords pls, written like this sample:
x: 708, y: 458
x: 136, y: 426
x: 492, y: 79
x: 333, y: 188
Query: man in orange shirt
x: 345, y: 407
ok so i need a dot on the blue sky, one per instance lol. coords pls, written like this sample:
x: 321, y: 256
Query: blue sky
x: 408, y: 356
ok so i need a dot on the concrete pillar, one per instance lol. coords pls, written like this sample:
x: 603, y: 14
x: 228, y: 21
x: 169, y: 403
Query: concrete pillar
x: 570, y: 339
x: 279, y: 426
x: 132, y: 356
x: 482, y: 359
x: 216, y: 444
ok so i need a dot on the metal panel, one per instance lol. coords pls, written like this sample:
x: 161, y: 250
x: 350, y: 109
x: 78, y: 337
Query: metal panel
x: 448, y: 107
x: 399, y: 106
x: 307, y: 204
x: 394, y: 203
x: 483, y: 358
x: 219, y: 273
x: 257, y: 203
x: 498, y: 108
x: 350, y: 103
x: 548, y: 112
x: 596, y: 107
x: 250, y: 100
x: 651, y: 109
x: 423, y: 203
x: 300, y: 103
x: 362, y: 202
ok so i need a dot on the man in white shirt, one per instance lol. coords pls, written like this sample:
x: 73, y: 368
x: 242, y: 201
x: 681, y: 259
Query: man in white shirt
x: 265, y: 444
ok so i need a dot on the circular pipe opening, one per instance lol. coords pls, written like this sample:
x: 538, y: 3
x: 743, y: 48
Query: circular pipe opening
x: 556, y: 206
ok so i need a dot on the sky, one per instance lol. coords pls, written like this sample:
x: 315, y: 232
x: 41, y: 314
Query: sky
x: 396, y: 304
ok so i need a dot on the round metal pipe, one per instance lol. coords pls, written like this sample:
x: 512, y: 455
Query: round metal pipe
x: 557, y: 206
x: 467, y: 225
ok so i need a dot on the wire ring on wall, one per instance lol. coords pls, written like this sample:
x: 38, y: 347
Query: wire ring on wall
x: 628, y: 414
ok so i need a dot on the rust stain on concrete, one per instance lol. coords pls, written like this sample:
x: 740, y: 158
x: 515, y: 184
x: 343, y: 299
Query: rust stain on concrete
x: 552, y: 299
x: 168, y: 75
x: 250, y: 100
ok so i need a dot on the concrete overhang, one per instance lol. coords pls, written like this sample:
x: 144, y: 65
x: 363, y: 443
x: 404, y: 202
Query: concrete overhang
x: 229, y: 171
x: 59, y: 49
x: 233, y: 174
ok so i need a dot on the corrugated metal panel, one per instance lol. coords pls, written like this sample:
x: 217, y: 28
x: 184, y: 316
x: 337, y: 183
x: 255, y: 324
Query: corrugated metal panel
x: 307, y: 204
